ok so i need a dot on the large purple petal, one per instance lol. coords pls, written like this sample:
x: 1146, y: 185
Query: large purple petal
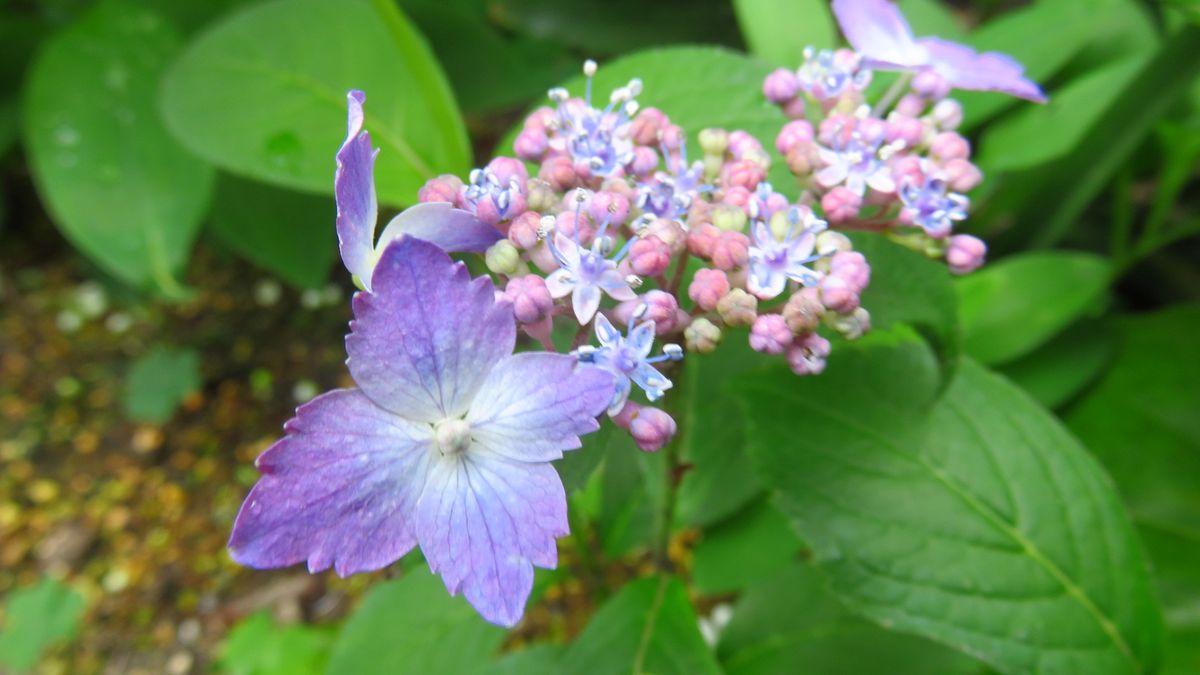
x: 453, y: 230
x: 354, y: 191
x: 535, y: 405
x: 483, y: 521
x: 991, y: 71
x: 877, y: 30
x: 338, y: 490
x: 424, y: 341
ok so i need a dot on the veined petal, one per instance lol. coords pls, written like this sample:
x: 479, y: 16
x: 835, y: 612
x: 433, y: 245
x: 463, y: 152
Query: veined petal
x: 354, y: 192
x: 452, y: 230
x: 483, y: 521
x: 620, y: 395
x: 650, y: 380
x: 535, y: 405
x: 423, y: 342
x: 766, y: 282
x: 881, y: 180
x: 877, y: 30
x: 641, y: 338
x: 616, y: 286
x: 833, y: 174
x: 991, y: 71
x: 338, y: 490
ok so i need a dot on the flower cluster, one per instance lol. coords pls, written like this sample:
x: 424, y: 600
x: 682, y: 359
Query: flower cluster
x: 618, y: 255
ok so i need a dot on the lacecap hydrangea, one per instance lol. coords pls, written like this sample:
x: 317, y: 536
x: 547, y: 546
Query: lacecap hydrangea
x: 601, y: 232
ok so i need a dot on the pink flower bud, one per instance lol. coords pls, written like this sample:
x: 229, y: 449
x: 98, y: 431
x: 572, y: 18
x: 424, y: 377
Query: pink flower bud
x: 948, y: 114
x: 567, y: 222
x: 541, y: 256
x: 523, y: 232
x: 446, y: 188
x: 531, y: 145
x: 950, y: 145
x: 738, y: 308
x: 905, y: 129
x: 929, y: 84
x: 965, y: 253
x: 730, y: 250
x: 853, y: 267
x: 742, y: 143
x: 872, y: 129
x: 609, y: 206
x: 707, y: 288
x: 907, y: 170
x: 671, y: 232
x: 672, y: 137
x: 559, y: 172
x: 661, y: 307
x: 910, y: 105
x: 961, y: 175
x: 701, y: 239
x: 770, y: 334
x: 837, y: 295
x: 651, y: 428
x: 700, y: 211
x: 795, y: 109
x: 781, y: 86
x: 508, y: 169
x: 837, y: 129
x: 645, y: 161
x: 742, y: 173
x: 738, y: 196
x: 807, y: 354
x: 841, y: 204
x: 538, y: 119
x: 803, y: 311
x: 647, y: 126
x: 530, y: 298
x: 802, y: 159
x: 649, y: 256
x: 792, y: 134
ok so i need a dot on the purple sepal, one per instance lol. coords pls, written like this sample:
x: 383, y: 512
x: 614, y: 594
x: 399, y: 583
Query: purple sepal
x: 450, y: 229
x: 338, y: 490
x: 877, y: 30
x: 354, y: 191
x: 422, y: 343
x: 965, y: 68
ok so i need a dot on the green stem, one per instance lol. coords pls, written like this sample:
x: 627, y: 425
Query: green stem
x: 671, y: 454
x: 891, y: 95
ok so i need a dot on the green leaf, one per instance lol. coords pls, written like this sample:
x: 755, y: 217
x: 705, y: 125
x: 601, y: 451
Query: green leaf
x: 1057, y: 371
x: 1011, y: 307
x: 909, y: 289
x: 115, y: 182
x: 697, y: 87
x: 720, y: 562
x: 790, y: 623
x: 1141, y: 421
x: 288, y: 233
x: 973, y: 519
x: 720, y: 480
x: 1073, y: 183
x: 158, y: 382
x: 263, y: 94
x: 577, y: 466
x: 37, y: 617
x: 413, y: 626
x: 933, y: 17
x: 648, y: 627
x: 259, y: 646
x: 539, y: 659
x: 1037, y: 134
x: 778, y: 31
x: 631, y: 496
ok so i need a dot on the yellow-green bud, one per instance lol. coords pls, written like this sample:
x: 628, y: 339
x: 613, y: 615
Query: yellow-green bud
x: 714, y: 141
x: 702, y: 336
x: 503, y: 258
x: 729, y: 217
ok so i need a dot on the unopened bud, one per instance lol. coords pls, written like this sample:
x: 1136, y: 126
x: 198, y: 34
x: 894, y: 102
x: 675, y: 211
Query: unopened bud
x: 702, y: 336
x: 738, y: 308
x: 503, y: 257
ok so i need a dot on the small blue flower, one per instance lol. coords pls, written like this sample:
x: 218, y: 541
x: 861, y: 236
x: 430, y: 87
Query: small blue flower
x: 628, y: 358
x: 585, y: 272
x: 855, y: 161
x: 929, y: 206
x: 773, y: 262
x: 826, y: 74
x: 669, y: 194
x: 593, y: 137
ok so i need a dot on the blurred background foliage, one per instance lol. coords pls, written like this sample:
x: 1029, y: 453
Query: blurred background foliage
x: 166, y: 272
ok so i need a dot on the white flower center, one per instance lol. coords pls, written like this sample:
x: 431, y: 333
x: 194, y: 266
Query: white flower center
x: 452, y: 436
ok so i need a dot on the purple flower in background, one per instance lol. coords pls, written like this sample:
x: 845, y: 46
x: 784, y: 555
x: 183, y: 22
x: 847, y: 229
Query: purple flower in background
x: 878, y: 30
x: 774, y: 262
x: 446, y: 444
x: 932, y: 208
x: 857, y: 162
x: 628, y: 358
x: 449, y: 228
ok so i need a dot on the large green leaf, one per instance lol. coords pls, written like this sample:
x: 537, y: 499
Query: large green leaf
x: 286, y: 232
x: 158, y: 381
x: 720, y: 563
x: 1011, y: 307
x: 413, y: 626
x: 648, y: 627
x: 1141, y: 419
x: 972, y: 518
x: 115, y: 182
x: 263, y: 94
x: 1063, y: 367
x: 778, y: 31
x: 790, y: 624
x: 259, y: 646
x: 36, y: 618
x: 697, y: 87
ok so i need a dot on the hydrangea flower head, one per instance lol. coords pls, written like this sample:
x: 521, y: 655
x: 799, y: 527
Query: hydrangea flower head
x: 446, y: 444
x: 596, y: 139
x: 774, y: 261
x: 877, y: 29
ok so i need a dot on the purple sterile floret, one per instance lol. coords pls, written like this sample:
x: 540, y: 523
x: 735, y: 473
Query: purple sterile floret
x: 446, y: 444
x: 358, y: 210
x: 878, y: 30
